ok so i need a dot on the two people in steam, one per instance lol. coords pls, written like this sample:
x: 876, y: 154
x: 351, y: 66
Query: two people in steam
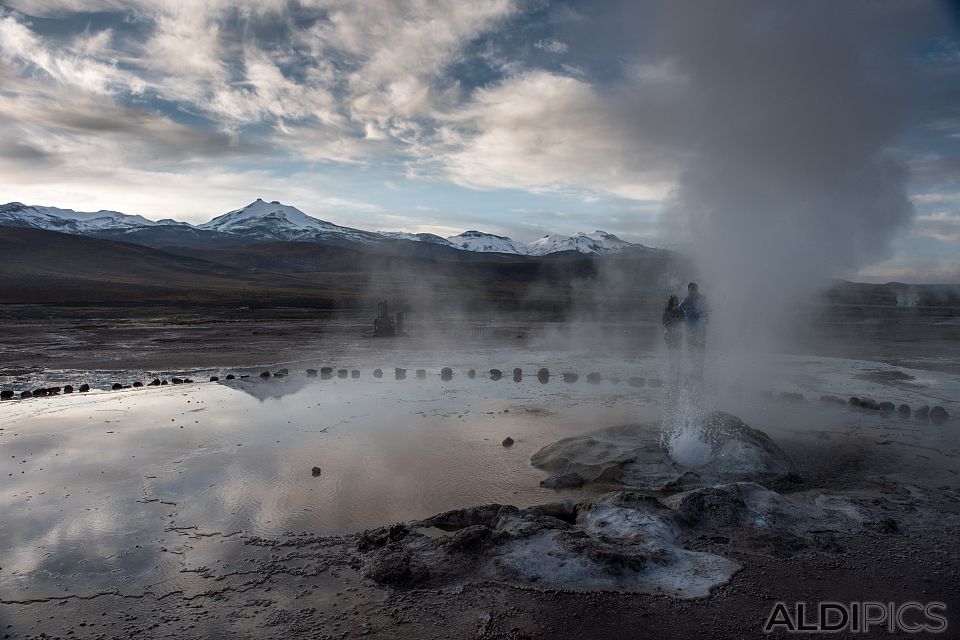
x: 686, y: 320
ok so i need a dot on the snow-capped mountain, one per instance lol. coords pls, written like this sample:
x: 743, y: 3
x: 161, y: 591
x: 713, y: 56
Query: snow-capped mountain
x: 599, y: 242
x: 272, y: 221
x: 275, y: 221
x: 487, y: 243
x: 17, y: 214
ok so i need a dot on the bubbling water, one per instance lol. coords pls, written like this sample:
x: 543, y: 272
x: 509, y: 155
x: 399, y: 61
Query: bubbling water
x: 681, y: 432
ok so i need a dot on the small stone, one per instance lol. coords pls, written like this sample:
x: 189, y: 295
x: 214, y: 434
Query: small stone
x: 904, y: 410
x: 593, y: 377
x: 214, y: 379
x: 312, y: 373
x: 496, y: 374
x: 507, y: 442
x: 316, y: 471
x: 637, y: 381
x: 378, y: 373
x: 230, y: 376
x: 263, y: 374
x: 84, y: 388
x: 569, y: 376
x: 938, y: 415
x: 116, y: 386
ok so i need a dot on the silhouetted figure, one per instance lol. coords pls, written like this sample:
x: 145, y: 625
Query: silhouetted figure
x: 695, y: 317
x: 673, y: 334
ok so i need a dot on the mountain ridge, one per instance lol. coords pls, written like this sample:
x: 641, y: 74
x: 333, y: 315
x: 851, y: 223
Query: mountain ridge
x: 273, y: 221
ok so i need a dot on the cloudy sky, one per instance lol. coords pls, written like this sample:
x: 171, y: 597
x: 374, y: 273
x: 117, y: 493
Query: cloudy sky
x: 513, y: 116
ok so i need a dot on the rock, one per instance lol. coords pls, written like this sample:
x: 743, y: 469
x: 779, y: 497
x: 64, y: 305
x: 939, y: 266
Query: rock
x: 854, y: 401
x: 496, y: 374
x: 116, y: 386
x: 39, y: 393
x: 518, y: 375
x: 138, y: 384
x: 342, y: 373
x: 569, y: 376
x: 278, y: 374
x: 326, y: 372
x: 637, y: 381
x: 904, y: 410
x: 633, y: 455
x: 828, y: 399
x: 154, y: 383
x: 938, y: 415
x: 446, y: 373
x: 163, y: 382
x: 791, y: 396
x: 563, y: 481
x: 214, y: 379
x: 6, y: 394
x: 543, y: 375
x: 84, y: 388
x: 507, y: 442
x: 378, y: 373
x: 355, y: 373
x: 421, y: 374
x: 68, y: 388
x: 230, y: 376
x: 869, y: 403
x: 263, y: 374
x: 26, y: 394
x: 187, y: 381
x: 472, y: 373
x: 593, y: 377
x: 400, y: 374
x: 887, y: 406
x: 397, y: 568
x: 283, y: 372
x: 312, y: 373
x: 316, y: 471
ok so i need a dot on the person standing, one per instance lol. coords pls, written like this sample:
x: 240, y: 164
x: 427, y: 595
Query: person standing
x: 695, y: 317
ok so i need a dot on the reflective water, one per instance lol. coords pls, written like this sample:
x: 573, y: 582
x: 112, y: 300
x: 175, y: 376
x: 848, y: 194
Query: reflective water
x: 119, y: 490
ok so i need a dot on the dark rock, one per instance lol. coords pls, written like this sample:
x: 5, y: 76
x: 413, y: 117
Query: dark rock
x: 84, y: 388
x: 214, y: 379
x: 263, y: 374
x: 279, y: 375
x: 904, y: 410
x: 496, y: 374
x: 887, y: 406
x: 312, y: 373
x: 517, y: 372
x: 791, y: 396
x: 828, y: 399
x: 378, y: 373
x: 371, y: 539
x: 869, y: 403
x: 637, y: 381
x: 355, y: 373
x: 116, y: 386
x: 187, y: 381
x: 854, y: 401
x: 326, y: 372
x: 26, y: 394
x: 400, y: 374
x: 446, y: 373
x: 593, y: 377
x: 923, y: 412
x: 68, y: 388
x: 472, y: 373
x: 155, y: 382
x: 563, y: 481
x: 938, y: 415
x: 543, y: 375
x: 316, y: 471
x: 138, y: 384
x: 342, y: 373
x: 507, y: 442
x: 283, y: 372
x: 230, y: 376
x: 397, y: 568
x: 569, y: 376
x: 163, y: 382
x: 421, y: 374
x: 6, y: 394
x: 39, y: 393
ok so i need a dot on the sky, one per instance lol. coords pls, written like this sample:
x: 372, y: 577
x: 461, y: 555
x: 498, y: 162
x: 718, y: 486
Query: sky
x: 517, y: 117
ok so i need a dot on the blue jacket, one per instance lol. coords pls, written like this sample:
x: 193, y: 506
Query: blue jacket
x: 694, y: 309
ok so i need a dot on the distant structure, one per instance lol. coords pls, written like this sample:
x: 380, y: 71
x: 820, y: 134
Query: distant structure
x: 385, y: 326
